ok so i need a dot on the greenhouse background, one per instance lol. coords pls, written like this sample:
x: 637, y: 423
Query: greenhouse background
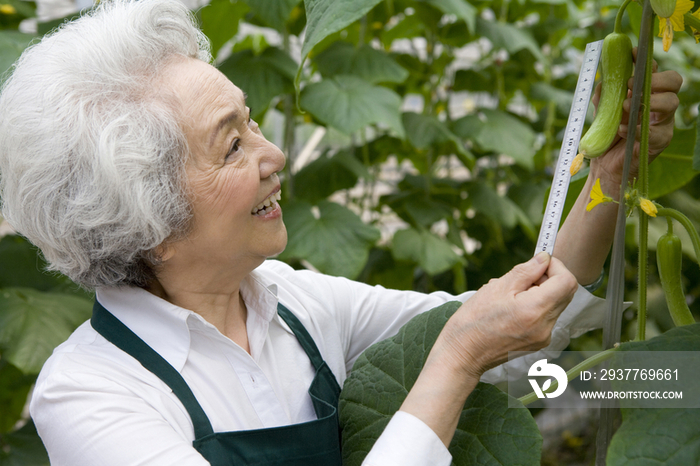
x: 434, y: 175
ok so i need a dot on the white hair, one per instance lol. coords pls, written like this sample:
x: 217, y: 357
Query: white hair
x: 92, y: 155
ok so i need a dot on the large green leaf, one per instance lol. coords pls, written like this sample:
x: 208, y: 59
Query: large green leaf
x: 660, y: 436
x: 331, y: 237
x: 368, y: 63
x: 21, y: 265
x: 674, y: 167
x: 12, y: 44
x: 274, y: 13
x: 508, y: 37
x: 655, y: 437
x: 432, y: 253
x: 14, y: 388
x: 220, y: 20
x: 326, y: 175
x: 349, y: 103
x: 461, y: 9
x: 494, y: 130
x: 500, y: 208
x: 324, y: 17
x: 33, y: 323
x: 262, y: 77
x: 425, y: 130
x: 23, y: 447
x: 488, y: 432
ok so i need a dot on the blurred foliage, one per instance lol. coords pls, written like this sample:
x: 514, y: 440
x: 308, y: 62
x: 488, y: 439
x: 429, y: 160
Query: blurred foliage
x: 442, y: 120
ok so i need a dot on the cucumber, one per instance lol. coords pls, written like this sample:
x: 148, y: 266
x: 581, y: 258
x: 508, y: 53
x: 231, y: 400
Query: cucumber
x: 668, y: 259
x: 616, y: 69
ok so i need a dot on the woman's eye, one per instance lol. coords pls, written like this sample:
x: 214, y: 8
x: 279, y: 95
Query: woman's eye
x: 234, y: 147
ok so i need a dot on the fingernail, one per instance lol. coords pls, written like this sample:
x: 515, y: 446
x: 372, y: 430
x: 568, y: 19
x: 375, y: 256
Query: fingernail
x: 542, y: 257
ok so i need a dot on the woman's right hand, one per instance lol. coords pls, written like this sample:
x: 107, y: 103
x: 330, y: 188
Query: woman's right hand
x: 516, y: 312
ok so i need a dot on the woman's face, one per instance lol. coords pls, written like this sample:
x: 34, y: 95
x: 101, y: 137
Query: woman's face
x: 231, y: 174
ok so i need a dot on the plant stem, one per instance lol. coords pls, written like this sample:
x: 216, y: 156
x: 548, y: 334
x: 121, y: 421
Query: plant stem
x: 687, y: 224
x: 573, y: 372
x: 643, y: 257
x: 616, y: 283
x: 618, y: 18
x: 691, y: 21
x: 289, y: 130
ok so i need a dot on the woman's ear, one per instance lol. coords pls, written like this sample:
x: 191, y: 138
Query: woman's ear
x: 163, y: 252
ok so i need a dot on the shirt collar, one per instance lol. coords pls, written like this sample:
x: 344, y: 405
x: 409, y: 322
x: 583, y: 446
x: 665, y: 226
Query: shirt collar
x: 165, y: 326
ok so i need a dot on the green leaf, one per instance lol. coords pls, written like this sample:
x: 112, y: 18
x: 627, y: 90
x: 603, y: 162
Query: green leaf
x: 326, y: 175
x: 409, y: 26
x: 23, y: 447
x: 220, y: 20
x: 262, y: 77
x: 656, y: 436
x: 12, y: 44
x: 546, y: 93
x: 674, y: 167
x: 426, y: 130
x: 494, y: 130
x: 366, y: 62
x: 499, y: 208
x: 21, y: 265
x: 331, y: 237
x: 659, y: 436
x: 508, y: 37
x: 432, y: 253
x: 14, y: 388
x: 33, y: 323
x: 349, y: 103
x: 488, y: 432
x: 324, y: 17
x: 474, y: 80
x: 460, y: 8
x: 274, y: 13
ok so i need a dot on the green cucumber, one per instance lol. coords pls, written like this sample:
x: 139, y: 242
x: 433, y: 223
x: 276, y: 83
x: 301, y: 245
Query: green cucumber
x: 616, y: 69
x: 669, y: 255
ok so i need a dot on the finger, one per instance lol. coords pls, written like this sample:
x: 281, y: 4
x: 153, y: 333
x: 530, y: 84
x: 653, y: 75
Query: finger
x: 666, y: 81
x: 560, y: 286
x: 654, y: 65
x: 523, y: 276
x: 659, y: 138
x: 665, y: 103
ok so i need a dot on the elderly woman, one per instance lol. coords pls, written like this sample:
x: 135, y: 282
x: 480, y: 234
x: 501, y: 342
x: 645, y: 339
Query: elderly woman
x: 135, y: 167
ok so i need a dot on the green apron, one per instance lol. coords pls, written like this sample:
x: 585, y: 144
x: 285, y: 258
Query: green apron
x: 312, y: 443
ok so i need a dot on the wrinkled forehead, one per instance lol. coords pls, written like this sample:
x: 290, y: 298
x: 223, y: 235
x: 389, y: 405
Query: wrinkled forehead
x: 200, y: 88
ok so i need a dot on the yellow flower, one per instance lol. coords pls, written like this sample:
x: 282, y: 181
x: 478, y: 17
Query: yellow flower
x: 674, y: 23
x: 576, y: 164
x: 597, y: 196
x: 648, y: 207
x: 7, y: 9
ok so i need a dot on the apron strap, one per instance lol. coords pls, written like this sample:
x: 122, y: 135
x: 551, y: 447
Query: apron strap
x: 305, y: 340
x: 123, y: 338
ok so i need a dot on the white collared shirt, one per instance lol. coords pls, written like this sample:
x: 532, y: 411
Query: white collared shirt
x: 93, y: 404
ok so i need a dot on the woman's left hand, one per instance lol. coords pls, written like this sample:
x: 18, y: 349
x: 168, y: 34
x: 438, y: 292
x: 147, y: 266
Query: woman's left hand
x: 663, y: 104
x: 585, y: 238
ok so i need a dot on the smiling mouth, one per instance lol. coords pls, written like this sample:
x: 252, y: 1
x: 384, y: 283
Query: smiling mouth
x: 268, y: 205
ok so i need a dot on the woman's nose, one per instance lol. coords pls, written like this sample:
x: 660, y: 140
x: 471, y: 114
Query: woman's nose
x: 272, y: 159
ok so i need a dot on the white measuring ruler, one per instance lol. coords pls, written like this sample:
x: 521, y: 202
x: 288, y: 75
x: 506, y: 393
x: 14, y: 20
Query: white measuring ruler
x: 569, y: 147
